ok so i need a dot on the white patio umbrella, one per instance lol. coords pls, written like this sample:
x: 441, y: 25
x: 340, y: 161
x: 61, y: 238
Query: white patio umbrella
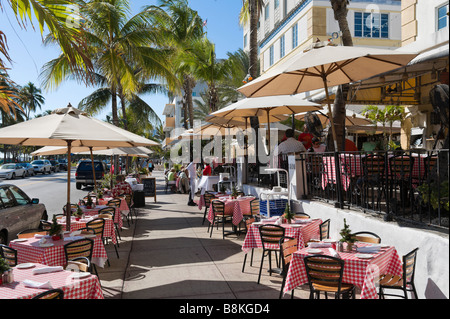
x: 267, y: 106
x: 69, y: 127
x: 324, y: 66
x: 351, y: 118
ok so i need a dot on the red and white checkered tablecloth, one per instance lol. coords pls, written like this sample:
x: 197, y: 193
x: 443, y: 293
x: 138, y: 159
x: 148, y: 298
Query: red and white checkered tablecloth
x: 94, y: 211
x: 123, y: 208
x: 302, y: 232
x: 30, y: 252
x: 83, y: 288
x: 359, y: 272
x: 236, y: 207
x: 108, y: 230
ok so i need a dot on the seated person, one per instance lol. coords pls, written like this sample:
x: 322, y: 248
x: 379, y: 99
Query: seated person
x: 306, y: 138
x: 317, y: 146
x: 122, y: 187
x: 290, y: 145
x: 183, y: 181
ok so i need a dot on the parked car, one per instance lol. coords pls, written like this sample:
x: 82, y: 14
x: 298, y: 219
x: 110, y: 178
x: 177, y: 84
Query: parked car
x: 55, y: 166
x: 28, y: 168
x: 11, y: 170
x: 18, y: 212
x: 42, y: 166
x: 84, y: 176
x: 62, y: 164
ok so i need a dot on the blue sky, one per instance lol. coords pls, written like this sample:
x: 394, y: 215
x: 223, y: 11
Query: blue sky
x: 29, y: 54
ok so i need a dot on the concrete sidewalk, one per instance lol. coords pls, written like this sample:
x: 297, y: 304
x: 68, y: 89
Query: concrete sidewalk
x: 167, y: 253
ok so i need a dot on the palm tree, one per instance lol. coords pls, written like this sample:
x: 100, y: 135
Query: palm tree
x: 180, y: 26
x: 250, y: 13
x: 340, y: 15
x: 30, y: 98
x: 125, y: 51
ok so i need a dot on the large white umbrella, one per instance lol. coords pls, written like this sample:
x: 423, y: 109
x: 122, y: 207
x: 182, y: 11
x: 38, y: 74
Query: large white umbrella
x: 351, y: 118
x: 323, y: 66
x: 267, y: 106
x: 69, y: 127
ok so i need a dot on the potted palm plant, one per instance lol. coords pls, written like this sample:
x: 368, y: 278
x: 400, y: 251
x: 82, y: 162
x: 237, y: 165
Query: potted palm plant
x: 347, y: 237
x: 78, y: 213
x: 89, y: 202
x: 4, y: 267
x: 288, y: 214
x: 55, y: 230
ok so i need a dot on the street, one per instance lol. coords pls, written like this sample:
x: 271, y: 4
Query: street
x: 50, y: 189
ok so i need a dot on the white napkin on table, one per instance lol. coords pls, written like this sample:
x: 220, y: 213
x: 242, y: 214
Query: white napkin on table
x: 75, y: 233
x: 46, y: 270
x: 302, y: 221
x: 36, y: 284
x: 369, y: 249
x: 319, y: 245
x: 333, y: 253
x: 71, y: 238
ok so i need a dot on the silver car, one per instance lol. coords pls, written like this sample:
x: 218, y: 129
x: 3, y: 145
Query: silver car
x: 10, y: 171
x: 18, y: 212
x: 28, y: 168
x: 42, y: 166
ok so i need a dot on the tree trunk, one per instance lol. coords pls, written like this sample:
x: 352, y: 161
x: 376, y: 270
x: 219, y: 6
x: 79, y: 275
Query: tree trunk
x: 253, y: 69
x: 340, y: 14
x: 115, y: 117
x: 188, y: 85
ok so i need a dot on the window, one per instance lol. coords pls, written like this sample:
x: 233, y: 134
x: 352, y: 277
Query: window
x: 282, y: 46
x: 371, y: 25
x: 21, y: 197
x: 266, y: 12
x: 271, y: 55
x: 295, y: 36
x: 6, y: 197
x: 276, y: 3
x: 442, y: 17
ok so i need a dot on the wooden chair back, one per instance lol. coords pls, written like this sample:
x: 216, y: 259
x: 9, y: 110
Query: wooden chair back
x: 9, y: 255
x: 367, y: 237
x: 79, y: 248
x: 302, y: 216
x: 107, y: 210
x: 409, y: 266
x: 271, y: 234
x: 254, y: 207
x: 208, y: 198
x: 115, y: 202
x: 29, y: 233
x: 218, y: 207
x: 373, y: 165
x: 324, y: 271
x: 324, y: 230
x: 98, y: 225
x: 51, y: 294
x: 287, y: 248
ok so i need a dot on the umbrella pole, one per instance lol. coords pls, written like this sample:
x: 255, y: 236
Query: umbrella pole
x: 68, y: 208
x: 268, y: 129
x: 330, y: 116
x: 93, y: 170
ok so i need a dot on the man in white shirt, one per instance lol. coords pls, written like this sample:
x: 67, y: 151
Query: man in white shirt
x: 192, y: 177
x: 290, y: 145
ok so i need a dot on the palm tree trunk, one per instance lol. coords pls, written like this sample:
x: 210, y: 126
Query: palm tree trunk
x: 253, y: 69
x: 340, y: 14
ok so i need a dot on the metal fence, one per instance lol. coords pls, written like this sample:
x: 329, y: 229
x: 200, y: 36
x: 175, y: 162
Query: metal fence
x: 407, y: 185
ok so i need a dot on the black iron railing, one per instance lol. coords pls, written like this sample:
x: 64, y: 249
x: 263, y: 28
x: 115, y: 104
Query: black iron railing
x: 408, y: 185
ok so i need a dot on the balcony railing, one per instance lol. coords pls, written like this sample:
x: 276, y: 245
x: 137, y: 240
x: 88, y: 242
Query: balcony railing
x: 407, y: 185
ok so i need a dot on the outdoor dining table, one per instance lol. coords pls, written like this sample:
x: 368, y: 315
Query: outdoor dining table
x: 302, y: 229
x: 123, y: 208
x: 201, y: 202
x: 237, y: 207
x: 87, y: 287
x: 360, y: 270
x: 108, y: 231
x: 29, y: 250
x: 94, y: 212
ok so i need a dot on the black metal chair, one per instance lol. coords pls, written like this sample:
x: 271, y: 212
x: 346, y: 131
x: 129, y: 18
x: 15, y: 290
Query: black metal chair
x: 9, y: 254
x: 270, y: 237
x: 220, y: 217
x: 208, y: 198
x: 367, y: 237
x: 325, y: 275
x: 373, y: 183
x: 45, y: 225
x: 324, y: 230
x: 248, y: 223
x: 405, y: 282
x: 80, y: 248
x: 50, y: 294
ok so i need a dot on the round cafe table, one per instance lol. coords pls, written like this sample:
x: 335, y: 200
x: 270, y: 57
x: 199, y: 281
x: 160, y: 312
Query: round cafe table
x: 237, y: 207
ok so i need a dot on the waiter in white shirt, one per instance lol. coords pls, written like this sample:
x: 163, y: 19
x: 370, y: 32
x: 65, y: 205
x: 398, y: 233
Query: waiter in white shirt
x: 290, y: 145
x: 192, y: 175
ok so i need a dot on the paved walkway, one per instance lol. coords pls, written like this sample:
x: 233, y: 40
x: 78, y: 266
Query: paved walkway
x: 167, y: 253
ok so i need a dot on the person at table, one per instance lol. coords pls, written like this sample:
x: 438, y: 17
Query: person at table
x: 172, y: 175
x: 317, y: 146
x: 290, y: 145
x: 306, y: 138
x: 207, y: 170
x: 122, y: 187
x: 183, y: 181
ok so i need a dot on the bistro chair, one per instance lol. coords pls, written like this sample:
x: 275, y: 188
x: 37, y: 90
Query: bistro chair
x: 255, y: 208
x: 50, y: 294
x: 220, y: 217
x: 373, y: 179
x: 80, y: 248
x: 208, y: 198
x: 324, y: 230
x: 405, y: 282
x: 270, y: 238
x: 325, y: 275
x: 302, y: 216
x: 9, y: 254
x: 401, y: 177
x: 248, y: 223
x: 115, y: 202
x: 78, y: 264
x: 110, y: 212
x: 29, y: 233
x: 367, y: 237
x: 45, y: 225
x: 288, y: 246
x: 129, y: 200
